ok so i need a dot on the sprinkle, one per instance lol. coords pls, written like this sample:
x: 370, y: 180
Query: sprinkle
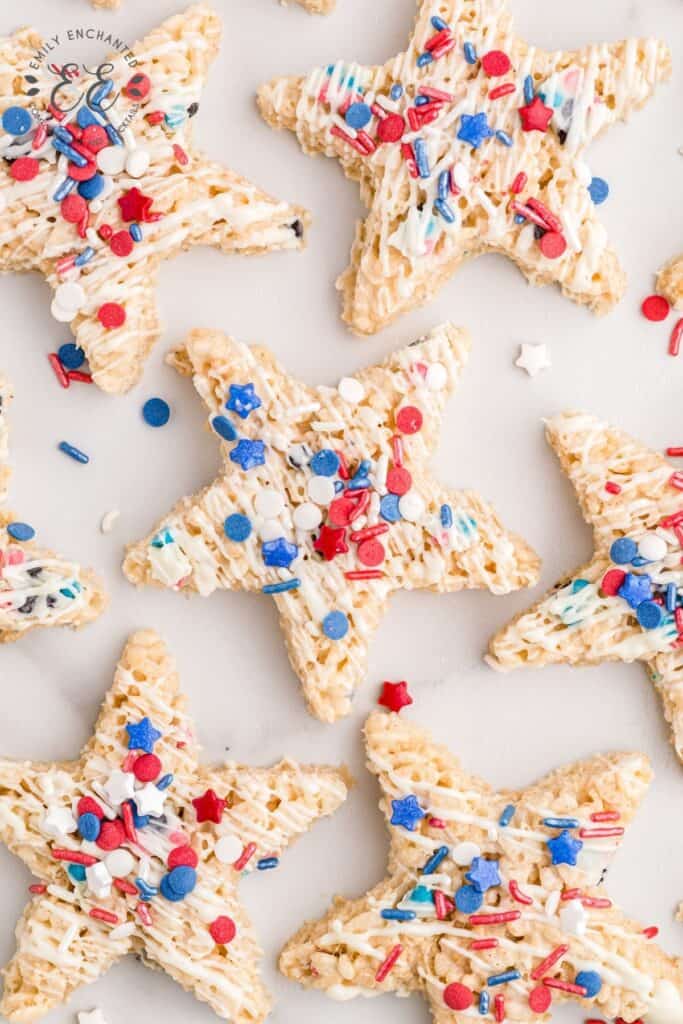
x: 222, y: 930
x: 436, y: 823
x: 501, y: 918
x: 398, y: 915
x: 507, y: 815
x: 600, y: 833
x: 484, y: 1000
x: 364, y: 574
x: 282, y: 587
x: 517, y: 893
x: 470, y: 53
x: 655, y: 308
x: 244, y: 858
x: 519, y: 182
x: 104, y: 915
x: 676, y: 480
x: 421, y: 160
x: 565, y: 986
x: 438, y: 23
x: 502, y: 979
x: 550, y: 961
x: 605, y: 816
x: 651, y: 933
x: 125, y: 887
x: 385, y: 968
x: 528, y: 89
x: 409, y: 419
x: 74, y: 453
x: 441, y: 904
x: 71, y: 356
x: 612, y: 488
x: 437, y: 857
x: 561, y: 822
x: 111, y: 315
x: 144, y: 914
x: 483, y: 943
x: 78, y: 377
x: 267, y: 863
x: 502, y: 90
x: 424, y: 59
x: 396, y: 91
x: 74, y: 857
x: 499, y: 1008
x: 676, y: 338
x: 598, y: 190
x: 156, y: 412
x: 442, y: 207
x: 38, y: 889
x: 504, y: 138
x: 335, y: 625
x: 674, y: 453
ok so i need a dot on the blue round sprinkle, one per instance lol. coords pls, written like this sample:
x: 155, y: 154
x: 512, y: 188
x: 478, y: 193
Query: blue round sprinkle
x: 468, y: 900
x: 237, y: 527
x: 76, y: 872
x: 335, y: 625
x: 92, y: 188
x: 156, y: 412
x: 16, y: 121
x: 358, y: 115
x: 649, y: 614
x: 591, y: 981
x: 71, y: 356
x: 599, y: 190
x: 224, y: 428
x: 325, y: 462
x: 623, y: 551
x: 388, y: 508
x: 85, y: 118
x: 168, y: 892
x: 396, y: 91
x: 21, y: 531
x: 89, y: 826
x: 182, y: 880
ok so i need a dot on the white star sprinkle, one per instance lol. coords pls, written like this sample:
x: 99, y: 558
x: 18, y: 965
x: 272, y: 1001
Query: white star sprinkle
x: 533, y: 359
x: 93, y: 1017
x: 119, y: 787
x: 58, y: 822
x: 150, y: 800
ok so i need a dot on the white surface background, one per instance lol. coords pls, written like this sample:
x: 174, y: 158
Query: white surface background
x: 232, y: 662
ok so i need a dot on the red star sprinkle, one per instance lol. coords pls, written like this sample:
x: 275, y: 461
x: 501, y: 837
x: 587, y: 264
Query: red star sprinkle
x: 395, y: 696
x: 535, y: 116
x: 134, y: 205
x: 209, y: 807
x: 331, y: 542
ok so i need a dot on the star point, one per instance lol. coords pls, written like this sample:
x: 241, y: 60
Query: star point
x: 533, y: 358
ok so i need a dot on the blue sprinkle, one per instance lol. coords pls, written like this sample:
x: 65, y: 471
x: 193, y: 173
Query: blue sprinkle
x: 444, y: 184
x: 438, y: 23
x: 156, y: 412
x: 21, y: 531
x: 84, y: 257
x: 507, y: 815
x: 74, y: 453
x: 424, y: 59
x: 71, y: 356
x: 591, y: 981
x: 16, y: 121
x: 364, y: 467
x: 468, y: 900
x: 68, y: 185
x: 623, y: 551
x: 388, y: 508
x: 267, y: 863
x: 66, y: 150
x: 325, y: 462
x: 85, y: 118
x: 470, y: 53
x: 421, y: 160
x: 113, y: 135
x: 76, y: 872
x: 421, y: 101
x: 436, y: 858
x: 579, y: 585
x: 445, y: 210
x: 446, y: 515
x: 224, y: 428
x: 182, y: 880
x: 280, y: 588
x: 338, y: 486
x: 598, y: 190
x: 135, y: 232
x: 561, y: 822
x: 528, y: 89
x: 504, y: 137
x: 396, y: 91
x: 671, y: 597
x: 248, y: 454
x: 335, y: 625
x: 502, y: 979
x: 358, y: 484
x: 636, y: 589
x: 168, y: 892
x: 165, y: 782
x: 484, y: 1003
x: 422, y: 894
x: 243, y: 400
x: 147, y: 892
x: 649, y: 614
x: 279, y: 553
x: 101, y: 93
x: 519, y: 219
x: 89, y: 827
x: 237, y: 527
x: 398, y: 915
x: 639, y: 561
x: 358, y: 115
x: 91, y: 189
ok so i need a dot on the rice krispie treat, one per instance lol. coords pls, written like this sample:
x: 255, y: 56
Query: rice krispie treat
x: 37, y: 587
x: 492, y: 907
x: 626, y: 604
x: 327, y: 503
x: 470, y: 141
x: 100, y: 182
x: 138, y: 848
x: 670, y: 282
x: 315, y: 6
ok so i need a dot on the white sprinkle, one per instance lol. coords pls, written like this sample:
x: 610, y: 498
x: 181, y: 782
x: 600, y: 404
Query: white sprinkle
x: 351, y: 390
x: 269, y: 503
x: 436, y: 377
x: 109, y: 520
x: 307, y: 516
x: 411, y: 506
x: 321, y: 490
x: 228, y: 849
x: 112, y: 160
x: 137, y: 162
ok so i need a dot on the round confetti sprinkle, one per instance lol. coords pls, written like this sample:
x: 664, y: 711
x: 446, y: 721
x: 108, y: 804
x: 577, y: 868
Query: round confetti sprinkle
x: 138, y: 87
x: 409, y: 419
x: 649, y: 615
x: 399, y: 480
x: 156, y: 412
x: 655, y: 308
x: 591, y: 981
x: 237, y: 527
x: 228, y: 849
x: 623, y: 551
x: 358, y: 115
x: 458, y: 997
x: 183, y: 857
x: 86, y: 805
x: 112, y: 159
x: 598, y: 190
x: 70, y: 296
x: 540, y: 999
x: 371, y: 552
x: 321, y: 490
x: 351, y: 390
x: 341, y: 511
x: 112, y: 835
x: 464, y: 853
x: 92, y: 188
x: 612, y: 581
x: 307, y: 516
x: 82, y: 173
x: 119, y: 863
x: 168, y: 892
x: 222, y: 930
x: 652, y: 547
x: 182, y: 880
x: 111, y: 315
x: 16, y: 121
x: 552, y: 245
x: 26, y: 168
x: 391, y: 128
x: 71, y: 356
x: 121, y: 244
x: 411, y: 506
x: 95, y: 138
x: 335, y: 625
x: 224, y: 428
x: 21, y: 531
x: 269, y: 503
x: 147, y: 768
x: 325, y: 462
x: 495, y: 63
x: 89, y: 827
x: 74, y: 208
x: 468, y: 900
x: 389, y: 508
x: 137, y: 162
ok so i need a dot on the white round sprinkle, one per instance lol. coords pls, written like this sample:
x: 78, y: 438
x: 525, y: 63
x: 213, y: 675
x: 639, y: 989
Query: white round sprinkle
x: 464, y: 853
x: 228, y: 849
x: 269, y: 503
x: 137, y: 162
x: 69, y: 296
x: 112, y: 160
x: 652, y: 547
x: 411, y: 506
x: 307, y: 516
x: 437, y: 377
x: 119, y: 863
x: 271, y: 529
x: 351, y: 390
x: 63, y: 316
x: 321, y: 490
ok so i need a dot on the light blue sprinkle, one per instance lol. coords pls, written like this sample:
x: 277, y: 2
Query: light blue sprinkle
x: 135, y: 232
x: 421, y: 101
x: 280, y: 588
x: 398, y: 915
x: 484, y: 1002
x: 65, y: 592
x: 444, y: 184
x: 578, y: 585
x: 442, y: 207
x: 519, y: 219
x: 84, y: 257
x: 67, y: 186
x: 671, y: 596
x: 165, y: 782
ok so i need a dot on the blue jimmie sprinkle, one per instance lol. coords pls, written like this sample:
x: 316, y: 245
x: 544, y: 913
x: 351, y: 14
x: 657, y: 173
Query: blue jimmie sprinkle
x: 165, y: 782
x: 561, y: 822
x: 434, y: 861
x: 504, y: 138
x: 528, y: 89
x: 442, y: 207
x: 398, y: 915
x: 358, y: 484
x: 266, y: 863
x: 519, y: 219
x: 421, y: 157
x: 84, y: 257
x: 446, y: 515
x: 364, y: 468
x: 147, y: 892
x: 396, y: 91
x: 421, y: 101
x: 438, y: 23
x: 484, y: 1003
x: 74, y: 453
x: 280, y: 588
x: 444, y: 184
x: 68, y: 185
x: 424, y: 59
x: 502, y: 979
x: 671, y: 594
x: 135, y: 232
x: 470, y: 53
x: 113, y: 135
x: 507, y: 815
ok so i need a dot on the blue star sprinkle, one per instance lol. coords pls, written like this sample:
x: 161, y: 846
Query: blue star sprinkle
x: 474, y: 129
x: 142, y: 736
x: 242, y: 400
x: 406, y: 812
x: 483, y: 874
x: 564, y: 849
x: 248, y: 454
x: 279, y: 552
x: 636, y: 589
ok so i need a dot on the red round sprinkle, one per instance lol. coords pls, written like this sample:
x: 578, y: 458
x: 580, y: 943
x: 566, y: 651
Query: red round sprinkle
x: 457, y: 996
x: 183, y: 857
x: 655, y: 307
x: 86, y: 805
x: 105, y: 232
x: 391, y: 128
x: 409, y: 419
x: 111, y: 315
x: 552, y: 244
x: 371, y: 552
x: 138, y: 87
x: 112, y: 835
x: 495, y: 63
x: 82, y: 173
x: 95, y: 138
x: 399, y: 480
x: 25, y: 168
x: 74, y: 208
x: 612, y: 581
x: 341, y: 511
x: 147, y: 767
x: 121, y: 244
x: 223, y: 930
x: 540, y: 999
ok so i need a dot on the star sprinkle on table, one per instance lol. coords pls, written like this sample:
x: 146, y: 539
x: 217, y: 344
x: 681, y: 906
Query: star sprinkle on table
x: 626, y: 604
x: 326, y: 502
x: 97, y: 198
x: 470, y: 141
x: 37, y: 587
x: 533, y: 359
x: 116, y: 877
x: 481, y: 911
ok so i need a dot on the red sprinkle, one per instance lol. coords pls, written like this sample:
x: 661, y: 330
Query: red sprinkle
x: 540, y: 999
x: 78, y: 375
x: 440, y: 902
x: 82, y: 173
x: 676, y: 338
x: 38, y: 889
x: 156, y: 117
x: 518, y: 895
x: 552, y: 222
x: 495, y: 63
x: 501, y: 918
x: 674, y: 452
x: 147, y: 768
x: 676, y: 480
x: 371, y: 552
x: 612, y: 488
x: 74, y: 857
x: 86, y: 805
x: 145, y: 914
x: 95, y: 138
x: 409, y: 419
x: 121, y: 244
x: 655, y: 308
x: 605, y: 816
x: 125, y: 887
x: 245, y: 856
x: 105, y: 231
x: 395, y: 696
x: 183, y: 857
x: 502, y: 90
x: 222, y: 930
x: 600, y: 833
x: 457, y: 996
x: 552, y: 245
x: 364, y: 574
x: 74, y: 208
x: 651, y: 933
x: 138, y: 87
x: 25, y: 168
x: 594, y: 901
x: 612, y: 582
x: 104, y: 915
x: 391, y: 129
x: 40, y: 137
x: 129, y: 823
x: 399, y: 480
x: 385, y: 967
x: 483, y: 943
x: 58, y: 369
x: 397, y: 449
x: 112, y: 835
x: 499, y: 1008
x: 565, y: 986
x: 111, y: 314
x: 180, y: 155
x: 518, y: 184
x: 549, y: 962
x: 436, y: 823
x: 409, y: 156
x: 438, y: 39
x: 370, y: 531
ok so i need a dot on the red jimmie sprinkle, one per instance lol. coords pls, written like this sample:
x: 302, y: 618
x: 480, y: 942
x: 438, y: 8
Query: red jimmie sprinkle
x: 565, y: 986
x: 397, y: 449
x: 370, y: 531
x: 483, y: 943
x: 74, y: 857
x: 440, y: 903
x: 651, y: 933
x: 502, y: 90
x: 605, y: 816
x: 600, y: 833
x: 436, y: 823
x: 499, y: 1008
x: 125, y: 887
x: 104, y: 915
x: 655, y: 308
x: 180, y: 155
x: 58, y: 369
x: 518, y: 895
x: 519, y: 182
x: 111, y: 315
x: 144, y: 914
x: 244, y: 858
x: 364, y: 574
x: 676, y: 338
x: 552, y: 222
x: 674, y: 452
x: 549, y: 962
x: 598, y: 903
x: 612, y: 488
x: 676, y: 480
x: 501, y: 918
x: 38, y: 889
x: 384, y: 968
x: 129, y: 823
